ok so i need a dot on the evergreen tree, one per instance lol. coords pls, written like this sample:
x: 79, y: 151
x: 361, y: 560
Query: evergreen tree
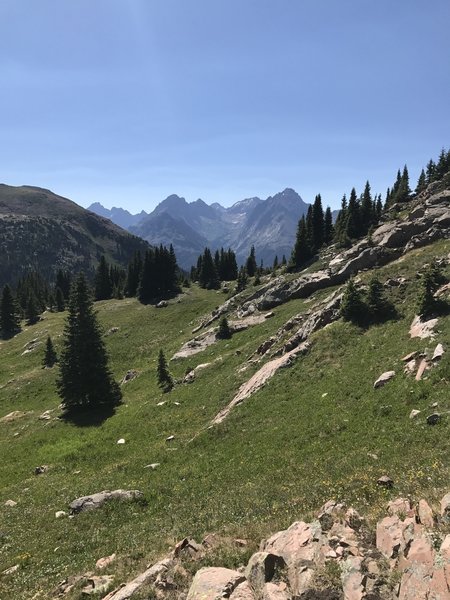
x: 275, y: 262
x: 241, y: 280
x: 50, y: 357
x: 60, y: 301
x: 31, y: 311
x: 421, y: 182
x: 283, y: 260
x: 103, y: 284
x: 428, y: 304
x: 85, y: 381
x: 302, y: 251
x: 133, y: 275
x: 353, y: 226
x: 224, y: 332
x: 340, y: 226
x: 378, y: 208
x: 430, y: 171
x: 352, y: 305
x: 378, y: 305
x: 165, y: 380
x: 64, y: 282
x: 250, y: 263
x: 9, y: 317
x: 328, y: 227
x: 317, y: 224
x: 367, y: 216
x: 208, y: 277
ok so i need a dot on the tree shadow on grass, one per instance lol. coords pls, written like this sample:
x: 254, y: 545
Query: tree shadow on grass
x: 93, y: 417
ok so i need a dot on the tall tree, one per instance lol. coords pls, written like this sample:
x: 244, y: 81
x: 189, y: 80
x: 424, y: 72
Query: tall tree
x: 302, y: 251
x: 165, y: 379
x: 9, y: 317
x: 50, y: 357
x: 250, y: 263
x: 85, y: 381
x: 353, y: 226
x: 367, y: 210
x: 328, y: 230
x: 352, y: 305
x: 317, y: 223
x: 208, y: 277
x: 103, y: 284
x: 421, y: 182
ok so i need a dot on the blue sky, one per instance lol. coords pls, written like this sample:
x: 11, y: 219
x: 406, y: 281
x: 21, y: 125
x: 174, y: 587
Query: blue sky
x: 127, y: 101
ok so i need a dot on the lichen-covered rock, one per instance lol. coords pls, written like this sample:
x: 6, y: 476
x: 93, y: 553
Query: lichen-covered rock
x: 98, y: 499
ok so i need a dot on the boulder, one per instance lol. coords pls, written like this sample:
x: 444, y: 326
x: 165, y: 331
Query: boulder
x: 438, y: 353
x: 214, y: 583
x: 60, y: 514
x: 425, y: 514
x: 433, y: 419
x: 162, y: 304
x: 40, y: 470
x: 97, y: 584
x: 383, y: 379
x: 129, y: 376
x: 13, y: 416
x: 400, y: 507
x: 98, y: 499
x: 390, y: 535
x: 10, y: 504
x: 261, y: 569
x: 243, y: 592
x: 385, y: 481
x: 104, y: 562
x: 276, y: 591
x: 422, y: 329
x: 445, y: 505
x: 423, y: 366
x: 413, y: 414
x: 352, y: 578
x: 150, y: 574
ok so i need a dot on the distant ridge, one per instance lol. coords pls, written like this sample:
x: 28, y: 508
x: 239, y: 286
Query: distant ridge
x: 268, y: 224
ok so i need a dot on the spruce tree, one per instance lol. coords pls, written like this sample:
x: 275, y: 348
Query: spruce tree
x: 377, y: 304
x: 352, y: 305
x: 165, y: 380
x: 353, y: 226
x: 208, y: 276
x: 302, y: 251
x: 275, y: 262
x: 9, y: 317
x: 366, y: 210
x: 328, y: 227
x: 241, y: 280
x: 85, y: 381
x: 317, y: 223
x: 50, y: 357
x: 103, y: 284
x: 31, y: 310
x: 250, y: 263
x: 428, y: 304
x: 60, y: 301
x: 421, y: 182
x: 224, y: 332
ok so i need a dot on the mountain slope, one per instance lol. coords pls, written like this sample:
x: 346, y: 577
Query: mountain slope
x: 315, y: 431
x: 41, y: 230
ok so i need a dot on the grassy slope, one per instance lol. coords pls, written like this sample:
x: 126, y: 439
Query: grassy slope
x: 276, y: 459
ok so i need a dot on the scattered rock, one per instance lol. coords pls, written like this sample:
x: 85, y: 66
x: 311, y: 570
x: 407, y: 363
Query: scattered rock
x: 125, y: 592
x: 410, y: 367
x: 121, y: 441
x: 400, y: 506
x: 10, y: 503
x: 162, y: 304
x: 189, y: 547
x: 98, y: 499
x: 46, y: 416
x: 170, y: 438
x: 214, y: 583
x: 152, y: 466
x: 97, y: 584
x: 409, y: 356
x: 112, y: 330
x: 129, y: 376
x: 413, y: 414
x: 104, y: 562
x: 383, y: 379
x: 31, y: 346
x: 11, y: 570
x: 261, y: 569
x: 434, y: 419
x: 438, y: 353
x: 445, y: 505
x: 425, y: 514
x: 13, y: 416
x: 423, y: 366
x: 40, y: 470
x: 385, y: 481
x: 422, y: 329
x: 60, y: 514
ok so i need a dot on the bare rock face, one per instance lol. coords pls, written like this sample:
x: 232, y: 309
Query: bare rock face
x: 214, y: 583
x: 422, y: 329
x: 96, y: 500
x: 243, y: 592
x: 261, y: 569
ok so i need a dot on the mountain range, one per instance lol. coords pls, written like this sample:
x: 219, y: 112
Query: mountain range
x: 268, y: 224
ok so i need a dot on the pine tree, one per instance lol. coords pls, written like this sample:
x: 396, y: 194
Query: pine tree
x: 208, y: 277
x: 283, y: 260
x: 9, y: 317
x: 352, y: 305
x: 275, y: 262
x: 317, y: 219
x: 165, y: 380
x: 103, y: 284
x: 367, y: 217
x: 250, y: 263
x: 60, y: 301
x: 85, y: 381
x: 31, y: 310
x: 428, y: 304
x: 421, y: 182
x: 302, y: 251
x: 50, y: 357
x: 328, y: 227
x: 353, y: 226
x: 241, y: 280
x: 224, y: 332
x: 377, y: 304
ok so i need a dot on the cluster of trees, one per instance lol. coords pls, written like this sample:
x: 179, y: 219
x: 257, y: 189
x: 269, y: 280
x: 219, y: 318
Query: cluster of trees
x: 434, y: 171
x: 357, y: 216
x: 210, y: 271
x: 363, y: 309
x: 314, y: 230
x: 428, y: 303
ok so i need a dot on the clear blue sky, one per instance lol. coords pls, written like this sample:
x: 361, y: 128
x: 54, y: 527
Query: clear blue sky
x: 127, y: 101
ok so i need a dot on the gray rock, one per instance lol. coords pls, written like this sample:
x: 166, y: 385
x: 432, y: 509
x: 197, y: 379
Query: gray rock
x: 438, y: 353
x: 60, y: 514
x: 434, y: 419
x: 98, y: 499
x: 383, y: 379
x: 162, y: 304
x: 385, y: 481
x: 10, y: 503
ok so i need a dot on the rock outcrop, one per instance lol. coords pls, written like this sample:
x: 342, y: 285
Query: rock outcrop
x: 98, y: 499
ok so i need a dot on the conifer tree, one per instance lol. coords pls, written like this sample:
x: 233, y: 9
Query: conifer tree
x: 328, y: 227
x: 133, y: 275
x: 428, y: 304
x: 50, y: 357
x: 165, y: 379
x: 9, y: 314
x: 60, y: 301
x: 421, y: 182
x: 103, y: 284
x: 208, y: 277
x: 353, y: 226
x: 301, y: 252
x: 275, y: 262
x: 430, y: 171
x: 250, y: 263
x: 31, y: 310
x: 283, y: 260
x: 352, y: 305
x: 377, y: 304
x: 85, y: 381
x: 317, y: 220
x: 367, y: 217
x: 224, y: 332
x: 241, y: 280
